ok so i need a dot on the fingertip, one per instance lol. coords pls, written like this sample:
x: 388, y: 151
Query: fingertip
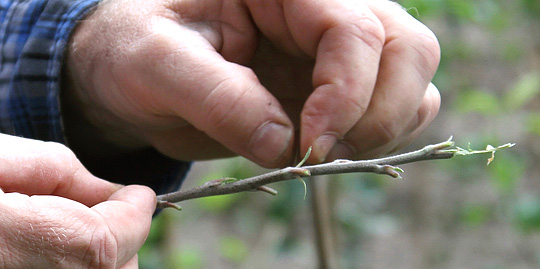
x: 321, y: 146
x: 140, y: 196
x: 271, y: 143
x: 429, y: 107
x: 435, y: 96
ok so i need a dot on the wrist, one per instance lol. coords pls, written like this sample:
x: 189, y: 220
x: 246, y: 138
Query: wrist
x: 88, y: 132
x: 91, y: 130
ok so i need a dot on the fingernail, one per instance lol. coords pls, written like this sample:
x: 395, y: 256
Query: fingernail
x: 341, y: 150
x: 322, y: 145
x: 270, y: 142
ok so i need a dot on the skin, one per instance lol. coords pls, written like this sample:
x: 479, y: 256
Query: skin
x: 181, y: 75
x: 61, y: 216
x: 201, y: 79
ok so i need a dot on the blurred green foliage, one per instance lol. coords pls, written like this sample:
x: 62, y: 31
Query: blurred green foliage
x: 482, y: 102
x: 475, y: 215
x: 527, y: 214
x: 489, y: 80
x: 233, y: 249
x: 186, y: 258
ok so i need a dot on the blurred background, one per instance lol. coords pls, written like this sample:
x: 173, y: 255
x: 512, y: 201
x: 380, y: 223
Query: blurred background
x: 456, y: 213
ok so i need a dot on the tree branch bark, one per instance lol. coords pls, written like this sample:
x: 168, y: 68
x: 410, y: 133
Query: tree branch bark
x: 443, y: 150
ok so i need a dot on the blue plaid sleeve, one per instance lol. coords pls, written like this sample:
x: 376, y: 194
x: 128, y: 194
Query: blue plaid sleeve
x: 33, y: 36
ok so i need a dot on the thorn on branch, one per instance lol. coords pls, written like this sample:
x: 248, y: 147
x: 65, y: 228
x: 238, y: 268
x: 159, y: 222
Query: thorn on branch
x: 393, y: 171
x: 267, y: 190
x: 167, y: 204
x: 389, y: 170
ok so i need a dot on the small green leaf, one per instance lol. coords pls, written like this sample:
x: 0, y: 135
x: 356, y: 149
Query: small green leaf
x: 305, y: 186
x: 489, y: 149
x: 305, y: 158
x: 300, y: 164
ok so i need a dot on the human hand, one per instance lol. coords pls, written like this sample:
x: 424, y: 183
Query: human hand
x: 72, y: 219
x: 201, y: 78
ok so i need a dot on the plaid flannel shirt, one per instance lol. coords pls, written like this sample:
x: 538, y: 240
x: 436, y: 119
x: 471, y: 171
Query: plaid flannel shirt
x: 33, y: 35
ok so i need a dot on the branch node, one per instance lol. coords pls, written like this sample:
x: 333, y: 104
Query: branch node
x: 300, y: 171
x: 393, y: 171
x: 215, y: 182
x: 342, y: 161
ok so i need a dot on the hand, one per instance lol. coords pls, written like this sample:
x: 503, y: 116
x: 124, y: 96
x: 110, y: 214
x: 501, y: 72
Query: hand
x: 72, y: 219
x: 205, y: 78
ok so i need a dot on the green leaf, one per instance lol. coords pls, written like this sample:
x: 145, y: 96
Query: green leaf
x: 305, y: 186
x: 305, y: 158
x: 482, y: 102
x: 489, y: 149
x: 527, y: 87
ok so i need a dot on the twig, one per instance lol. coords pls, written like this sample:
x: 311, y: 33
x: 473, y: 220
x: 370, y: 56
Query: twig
x: 443, y: 150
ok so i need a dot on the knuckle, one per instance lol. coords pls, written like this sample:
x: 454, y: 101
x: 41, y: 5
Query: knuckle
x: 102, y: 250
x: 226, y: 101
x: 370, y: 31
x: 428, y: 47
x: 51, y: 161
x: 386, y: 131
x: 428, y: 50
x: 421, y: 47
x: 220, y: 102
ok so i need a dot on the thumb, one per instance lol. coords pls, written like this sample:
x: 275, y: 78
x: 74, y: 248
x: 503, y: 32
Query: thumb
x: 236, y: 110
x: 128, y: 214
x: 225, y: 100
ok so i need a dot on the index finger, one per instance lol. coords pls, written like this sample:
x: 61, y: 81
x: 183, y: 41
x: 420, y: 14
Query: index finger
x: 346, y: 39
